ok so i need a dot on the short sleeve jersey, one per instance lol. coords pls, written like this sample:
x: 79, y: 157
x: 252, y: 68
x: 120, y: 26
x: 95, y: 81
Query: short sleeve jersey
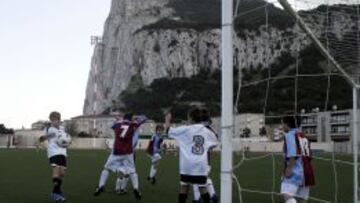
x: 291, y: 150
x: 194, y: 142
x: 53, y: 148
x: 124, y: 132
x: 155, y: 144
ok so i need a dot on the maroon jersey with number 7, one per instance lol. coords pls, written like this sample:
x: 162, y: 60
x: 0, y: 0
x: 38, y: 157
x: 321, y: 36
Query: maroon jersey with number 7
x: 124, y: 132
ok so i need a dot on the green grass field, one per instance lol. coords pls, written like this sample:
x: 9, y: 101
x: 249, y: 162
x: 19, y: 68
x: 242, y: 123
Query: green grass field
x: 25, y: 178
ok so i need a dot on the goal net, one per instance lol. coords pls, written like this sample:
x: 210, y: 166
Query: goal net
x: 306, y: 63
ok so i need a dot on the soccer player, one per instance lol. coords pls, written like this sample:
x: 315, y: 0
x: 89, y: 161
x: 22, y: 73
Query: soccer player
x: 296, y: 178
x: 121, y: 160
x: 154, y: 150
x: 206, y: 121
x: 194, y: 142
x: 56, y: 154
x: 121, y: 181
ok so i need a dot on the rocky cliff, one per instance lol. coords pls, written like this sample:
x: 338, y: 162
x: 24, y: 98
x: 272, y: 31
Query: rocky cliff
x: 145, y: 40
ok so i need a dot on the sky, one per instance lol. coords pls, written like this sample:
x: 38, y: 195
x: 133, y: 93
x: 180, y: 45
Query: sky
x: 45, y: 56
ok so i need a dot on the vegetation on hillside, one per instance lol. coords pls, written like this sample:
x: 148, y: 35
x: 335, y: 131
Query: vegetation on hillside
x: 179, y: 94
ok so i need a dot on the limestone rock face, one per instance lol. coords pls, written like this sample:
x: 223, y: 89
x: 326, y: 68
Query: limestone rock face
x: 130, y: 47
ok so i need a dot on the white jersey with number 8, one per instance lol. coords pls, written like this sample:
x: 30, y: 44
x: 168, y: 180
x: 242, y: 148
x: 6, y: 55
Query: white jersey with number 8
x: 194, y: 142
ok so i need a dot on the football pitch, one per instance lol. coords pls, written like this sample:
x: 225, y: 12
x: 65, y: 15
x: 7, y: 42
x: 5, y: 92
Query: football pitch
x: 25, y: 177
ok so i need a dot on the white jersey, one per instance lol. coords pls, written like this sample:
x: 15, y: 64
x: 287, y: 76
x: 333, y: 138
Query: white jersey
x: 53, y: 148
x: 194, y: 143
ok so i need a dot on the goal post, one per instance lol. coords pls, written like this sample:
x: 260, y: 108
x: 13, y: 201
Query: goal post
x: 226, y: 101
x: 355, y: 142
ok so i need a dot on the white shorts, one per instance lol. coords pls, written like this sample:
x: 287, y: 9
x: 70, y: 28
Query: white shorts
x: 155, y: 158
x: 121, y: 163
x: 295, y: 190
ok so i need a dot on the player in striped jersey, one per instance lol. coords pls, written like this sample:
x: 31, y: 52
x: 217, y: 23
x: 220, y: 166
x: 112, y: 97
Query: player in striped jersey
x: 298, y: 173
x: 154, y: 150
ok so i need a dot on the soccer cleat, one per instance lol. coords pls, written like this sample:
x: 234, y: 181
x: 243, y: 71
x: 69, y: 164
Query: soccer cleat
x: 152, y: 180
x: 214, y: 199
x: 57, y: 197
x: 137, y: 194
x: 121, y: 192
x: 196, y: 201
x: 99, y: 190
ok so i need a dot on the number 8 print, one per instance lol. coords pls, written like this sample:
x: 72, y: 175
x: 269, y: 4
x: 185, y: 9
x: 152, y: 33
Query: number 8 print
x: 198, y: 147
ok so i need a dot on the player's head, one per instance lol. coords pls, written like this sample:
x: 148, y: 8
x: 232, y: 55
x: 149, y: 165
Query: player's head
x: 55, y: 118
x: 194, y: 115
x: 117, y: 115
x: 205, y: 116
x: 128, y: 116
x: 291, y: 121
x: 159, y: 129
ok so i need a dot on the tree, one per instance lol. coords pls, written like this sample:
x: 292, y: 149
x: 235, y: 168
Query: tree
x: 262, y: 131
x: 4, y: 130
x: 246, y: 132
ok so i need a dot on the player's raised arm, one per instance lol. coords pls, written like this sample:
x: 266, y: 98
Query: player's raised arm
x: 167, y: 122
x: 140, y: 119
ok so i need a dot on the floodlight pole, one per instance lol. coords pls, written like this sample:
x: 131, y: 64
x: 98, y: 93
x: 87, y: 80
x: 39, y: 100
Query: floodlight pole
x: 227, y: 102
x: 355, y: 142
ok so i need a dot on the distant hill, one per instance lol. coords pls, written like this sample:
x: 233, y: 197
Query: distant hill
x: 162, y: 54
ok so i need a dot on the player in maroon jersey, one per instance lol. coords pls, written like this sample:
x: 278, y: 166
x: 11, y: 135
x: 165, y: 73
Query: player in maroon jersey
x: 121, y: 160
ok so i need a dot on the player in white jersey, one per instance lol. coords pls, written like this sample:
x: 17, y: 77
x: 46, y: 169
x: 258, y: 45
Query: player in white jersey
x: 194, y: 141
x: 56, y: 154
x: 206, y: 121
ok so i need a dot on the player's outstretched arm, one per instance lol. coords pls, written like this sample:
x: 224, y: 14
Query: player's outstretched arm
x: 167, y: 122
x: 141, y: 119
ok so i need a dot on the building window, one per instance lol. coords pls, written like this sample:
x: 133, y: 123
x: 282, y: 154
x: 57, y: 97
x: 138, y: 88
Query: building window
x: 340, y: 118
x: 309, y: 130
x: 340, y: 129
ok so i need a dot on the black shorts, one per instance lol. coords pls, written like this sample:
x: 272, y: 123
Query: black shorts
x: 58, y: 160
x: 201, y: 180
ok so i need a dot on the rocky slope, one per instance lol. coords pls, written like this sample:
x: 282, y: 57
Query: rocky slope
x: 145, y: 40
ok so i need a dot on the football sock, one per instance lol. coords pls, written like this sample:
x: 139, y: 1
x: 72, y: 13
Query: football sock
x: 205, y: 198
x: 103, y: 177
x: 134, y: 181
x: 182, y: 198
x: 124, y: 182
x: 291, y: 200
x: 118, y: 183
x: 152, y: 171
x: 196, y: 192
x: 57, y: 185
x: 210, y: 187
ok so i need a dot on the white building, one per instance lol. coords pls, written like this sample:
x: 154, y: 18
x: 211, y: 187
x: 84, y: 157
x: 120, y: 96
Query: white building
x: 328, y: 126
